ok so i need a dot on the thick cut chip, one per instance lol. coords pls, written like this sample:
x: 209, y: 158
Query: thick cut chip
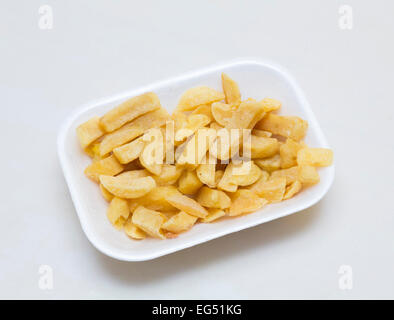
x: 108, y: 166
x: 308, y: 175
x: 288, y: 153
x: 286, y: 126
x: 128, y: 189
x: 156, y: 199
x: 189, y: 183
x: 133, y: 231
x: 180, y: 222
x: 213, y: 198
x: 215, y: 126
x: 118, y: 212
x: 180, y: 119
x: 292, y: 190
x: 149, y: 163
x: 246, y: 115
x: 269, y: 164
x: 129, y: 110
x: 222, y: 112
x: 194, y: 123
x: 133, y: 129
x: 261, y: 133
x: 230, y: 89
x: 291, y: 174
x: 271, y: 190
x: 227, y: 143
x: 132, y: 174
x: 218, y: 176
x: 188, y: 205
x: 226, y: 182
x: 206, y: 173
x: 204, y: 109
x: 169, y: 174
x: 245, y: 201
x: 134, y: 204
x: 271, y: 104
x: 213, y: 214
x: 245, y: 174
x: 264, y: 177
x: 261, y: 147
x: 89, y: 131
x: 130, y: 151
x: 193, y: 151
x: 106, y: 194
x: 317, y: 157
x: 197, y: 96
x: 93, y: 151
x: 149, y: 221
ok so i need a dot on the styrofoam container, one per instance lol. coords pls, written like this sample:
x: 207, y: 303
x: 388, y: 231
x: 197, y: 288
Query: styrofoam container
x: 256, y: 79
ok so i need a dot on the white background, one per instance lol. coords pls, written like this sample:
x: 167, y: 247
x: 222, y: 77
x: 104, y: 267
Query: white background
x: 100, y: 48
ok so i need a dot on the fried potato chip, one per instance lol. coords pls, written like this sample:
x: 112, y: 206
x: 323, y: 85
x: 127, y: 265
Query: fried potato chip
x: 286, y: 126
x: 291, y: 174
x: 129, y: 110
x: 213, y: 214
x: 149, y: 164
x: 89, y: 131
x: 271, y: 104
x: 106, y: 194
x: 194, y: 123
x: 149, y: 221
x: 169, y: 174
x: 189, y: 183
x: 204, y: 109
x: 272, y: 190
x: 222, y: 112
x: 118, y: 212
x: 269, y: 164
x: 197, y: 96
x: 128, y: 189
x: 226, y: 183
x: 213, y: 198
x: 156, y: 199
x: 245, y: 174
x: 93, y: 151
x: 133, y: 129
x: 261, y: 147
x: 317, y: 157
x: 288, y: 153
x: 292, y: 189
x: 129, y: 151
x: 194, y: 150
x: 308, y: 175
x: 215, y: 126
x: 107, y: 166
x: 188, y: 205
x: 206, y: 174
x: 133, y: 231
x: 180, y: 222
x: 246, y: 115
x: 263, y: 177
x: 261, y: 133
x: 245, y: 201
x: 133, y: 174
x: 230, y: 89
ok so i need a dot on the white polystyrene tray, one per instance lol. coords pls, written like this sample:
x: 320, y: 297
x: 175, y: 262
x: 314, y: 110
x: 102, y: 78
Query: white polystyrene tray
x: 257, y: 80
